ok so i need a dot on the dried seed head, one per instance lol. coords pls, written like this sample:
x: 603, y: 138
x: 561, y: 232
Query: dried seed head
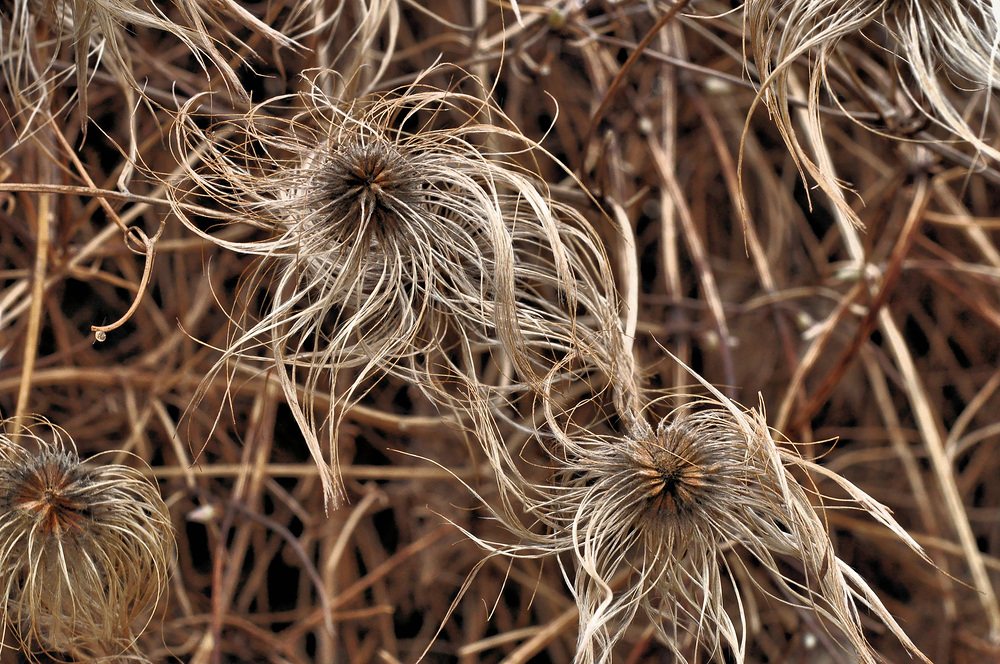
x: 650, y: 516
x: 674, y: 473
x: 37, y: 34
x: 84, y: 549
x: 396, y: 250
x: 942, y: 47
x: 50, y: 491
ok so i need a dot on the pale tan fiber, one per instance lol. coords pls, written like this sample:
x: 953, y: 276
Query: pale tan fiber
x: 37, y: 34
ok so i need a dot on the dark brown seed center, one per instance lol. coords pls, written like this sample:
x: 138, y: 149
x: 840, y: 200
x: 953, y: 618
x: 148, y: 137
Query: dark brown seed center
x: 368, y: 188
x: 675, y: 481
x: 43, y: 495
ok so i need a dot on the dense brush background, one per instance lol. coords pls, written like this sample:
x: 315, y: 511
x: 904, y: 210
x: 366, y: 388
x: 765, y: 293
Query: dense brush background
x: 890, y: 365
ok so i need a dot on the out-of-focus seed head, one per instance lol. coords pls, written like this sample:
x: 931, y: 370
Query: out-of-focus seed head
x: 85, y: 549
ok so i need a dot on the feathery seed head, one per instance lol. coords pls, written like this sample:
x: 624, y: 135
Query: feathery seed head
x: 934, y: 42
x: 400, y: 241
x: 84, y: 549
x: 650, y: 519
x: 50, y: 493
x: 678, y: 471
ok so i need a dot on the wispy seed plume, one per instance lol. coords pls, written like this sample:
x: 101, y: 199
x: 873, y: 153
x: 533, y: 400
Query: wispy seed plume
x: 651, y: 518
x: 399, y: 243
x: 36, y: 34
x: 940, y: 52
x: 85, y: 549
